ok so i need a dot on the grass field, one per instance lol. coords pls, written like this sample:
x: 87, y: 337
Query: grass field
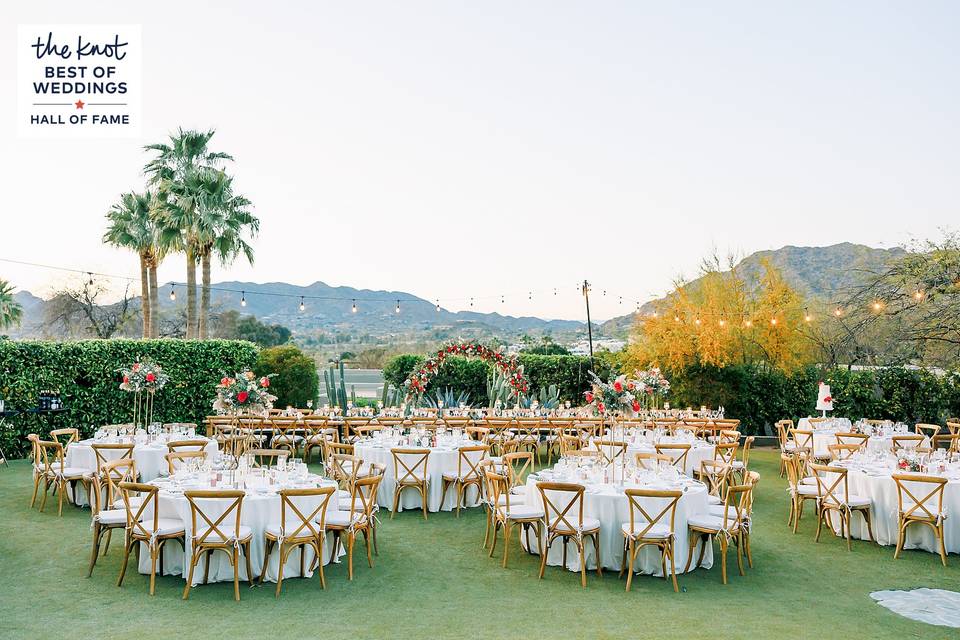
x: 432, y: 580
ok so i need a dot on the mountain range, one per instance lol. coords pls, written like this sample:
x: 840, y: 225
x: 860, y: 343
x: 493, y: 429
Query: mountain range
x: 816, y: 272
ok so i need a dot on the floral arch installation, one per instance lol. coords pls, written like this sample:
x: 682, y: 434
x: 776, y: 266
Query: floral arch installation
x: 416, y: 383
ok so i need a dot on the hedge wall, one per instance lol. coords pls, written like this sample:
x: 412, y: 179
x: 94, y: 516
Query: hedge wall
x: 569, y: 373
x: 85, y: 373
x: 759, y: 397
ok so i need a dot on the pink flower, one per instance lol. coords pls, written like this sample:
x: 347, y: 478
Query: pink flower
x: 224, y: 381
x: 264, y: 382
x: 126, y: 379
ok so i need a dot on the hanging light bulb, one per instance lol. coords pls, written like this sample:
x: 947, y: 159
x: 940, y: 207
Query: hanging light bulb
x: 173, y: 294
x: 398, y: 306
x: 529, y: 295
x: 749, y: 323
x: 807, y: 317
x: 773, y: 322
x: 621, y: 300
x: 471, y: 302
x: 838, y: 312
x: 918, y: 295
x: 877, y: 305
x: 723, y: 322
x: 502, y: 300
x: 554, y: 291
x: 676, y: 318
x: 302, y: 306
x: 243, y: 298
x: 438, y: 306
x: 697, y: 322
x: 354, y: 309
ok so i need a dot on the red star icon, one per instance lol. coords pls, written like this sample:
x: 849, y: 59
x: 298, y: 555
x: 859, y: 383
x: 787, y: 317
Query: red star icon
x: 79, y: 104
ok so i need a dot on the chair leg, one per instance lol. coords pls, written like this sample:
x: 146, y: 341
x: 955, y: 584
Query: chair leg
x: 236, y: 574
x: 36, y: 490
x: 276, y: 593
x: 96, y: 548
x: 423, y: 498
x: 691, y: 545
x: 543, y: 558
x: 396, y: 501
x: 350, y: 540
x: 506, y: 542
x: 266, y: 559
x: 366, y: 542
x: 153, y: 570
x: 596, y: 550
x: 739, y: 544
x: 943, y: 549
x: 673, y: 566
x: 493, y: 541
x: 631, y: 553
x: 901, y: 538
x: 206, y: 565
x: 319, y: 549
x: 820, y: 516
x: 583, y: 563
x: 126, y: 558
x: 723, y: 558
x: 866, y: 516
x: 193, y: 565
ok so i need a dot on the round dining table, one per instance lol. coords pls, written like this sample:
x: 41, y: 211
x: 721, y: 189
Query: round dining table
x: 442, y: 460
x: 260, y: 508
x: 609, y: 504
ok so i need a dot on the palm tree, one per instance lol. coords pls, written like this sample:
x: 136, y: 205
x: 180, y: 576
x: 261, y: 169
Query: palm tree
x: 182, y: 172
x: 11, y: 313
x: 131, y: 226
x: 222, y: 234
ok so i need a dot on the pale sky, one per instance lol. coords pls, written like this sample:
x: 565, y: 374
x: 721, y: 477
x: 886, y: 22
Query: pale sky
x: 455, y: 149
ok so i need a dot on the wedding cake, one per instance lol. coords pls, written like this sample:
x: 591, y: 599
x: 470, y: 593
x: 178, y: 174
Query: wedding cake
x: 824, y: 399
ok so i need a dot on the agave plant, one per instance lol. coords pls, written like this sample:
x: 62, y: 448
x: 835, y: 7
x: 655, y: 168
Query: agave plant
x: 548, y: 398
x: 448, y: 397
x: 499, y: 391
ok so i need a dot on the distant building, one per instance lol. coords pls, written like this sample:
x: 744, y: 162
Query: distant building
x: 582, y: 347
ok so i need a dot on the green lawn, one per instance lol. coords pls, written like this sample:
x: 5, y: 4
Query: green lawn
x: 432, y: 580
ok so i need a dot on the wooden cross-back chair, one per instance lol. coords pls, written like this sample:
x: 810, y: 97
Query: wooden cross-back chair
x: 648, y: 510
x: 344, y: 468
x: 650, y: 460
x: 834, y: 497
x: 267, y: 457
x: 950, y: 442
x: 928, y: 430
x: 302, y: 525
x: 175, y: 446
x: 920, y: 501
x: 800, y: 493
x: 106, y: 514
x: 843, y: 451
x: 729, y: 527
x: 316, y: 433
x: 563, y: 513
x: 218, y: 533
x: 144, y: 525
x: 516, y: 466
x: 108, y: 452
x: 410, y: 470
x: 65, y: 437
x: 677, y: 452
x: 178, y: 459
x: 467, y: 475
x: 359, y: 518
x: 57, y: 474
x: 906, y: 442
x: 715, y: 474
x: 783, y: 440
x: 610, y: 451
x: 504, y: 515
x: 859, y: 439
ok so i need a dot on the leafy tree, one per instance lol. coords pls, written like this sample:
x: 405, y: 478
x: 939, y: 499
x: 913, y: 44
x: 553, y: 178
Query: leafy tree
x: 230, y: 325
x: 296, y: 381
x: 11, y: 313
x: 546, y: 347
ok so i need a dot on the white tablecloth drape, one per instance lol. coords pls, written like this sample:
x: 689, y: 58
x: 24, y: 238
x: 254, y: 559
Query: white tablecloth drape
x: 612, y: 508
x: 441, y: 461
x: 149, y: 459
x: 258, y: 512
x: 882, y: 492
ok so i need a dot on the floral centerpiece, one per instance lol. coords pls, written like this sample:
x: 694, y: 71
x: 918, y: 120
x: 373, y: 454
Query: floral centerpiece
x: 611, y: 397
x: 244, y: 393
x: 143, y: 379
x: 652, y: 385
x: 908, y: 460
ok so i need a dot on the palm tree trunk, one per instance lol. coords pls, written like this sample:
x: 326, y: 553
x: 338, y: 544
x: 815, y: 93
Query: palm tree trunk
x: 145, y: 296
x: 154, y: 301
x: 191, y: 294
x: 205, y: 294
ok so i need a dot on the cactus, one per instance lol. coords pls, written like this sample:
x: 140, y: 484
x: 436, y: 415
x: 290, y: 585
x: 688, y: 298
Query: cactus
x: 353, y: 394
x: 343, y: 391
x: 328, y: 384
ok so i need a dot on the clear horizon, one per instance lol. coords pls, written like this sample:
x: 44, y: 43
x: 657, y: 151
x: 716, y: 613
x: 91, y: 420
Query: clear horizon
x: 449, y: 152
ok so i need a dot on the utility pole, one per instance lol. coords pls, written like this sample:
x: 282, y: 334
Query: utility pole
x: 586, y: 297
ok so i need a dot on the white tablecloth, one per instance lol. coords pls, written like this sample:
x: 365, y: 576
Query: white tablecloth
x: 148, y: 457
x: 258, y: 512
x: 441, y: 461
x: 823, y: 438
x: 613, y: 509
x: 882, y: 492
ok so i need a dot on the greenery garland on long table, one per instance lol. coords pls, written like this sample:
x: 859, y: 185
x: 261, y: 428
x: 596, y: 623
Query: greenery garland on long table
x: 416, y: 383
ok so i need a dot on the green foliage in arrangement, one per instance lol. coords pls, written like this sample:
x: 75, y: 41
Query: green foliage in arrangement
x: 759, y: 396
x: 567, y: 373
x: 296, y: 381
x: 85, y: 373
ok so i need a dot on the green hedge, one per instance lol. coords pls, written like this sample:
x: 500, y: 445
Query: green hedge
x: 569, y: 373
x: 85, y: 372
x: 296, y: 381
x: 759, y: 397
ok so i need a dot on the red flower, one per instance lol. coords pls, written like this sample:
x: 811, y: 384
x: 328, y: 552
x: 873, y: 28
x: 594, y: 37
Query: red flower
x: 636, y: 406
x: 589, y: 396
x: 600, y: 407
x: 264, y: 382
x: 136, y: 366
x: 224, y: 382
x: 828, y: 399
x: 618, y: 386
x: 151, y: 377
x: 630, y: 386
x: 126, y: 379
x: 242, y: 397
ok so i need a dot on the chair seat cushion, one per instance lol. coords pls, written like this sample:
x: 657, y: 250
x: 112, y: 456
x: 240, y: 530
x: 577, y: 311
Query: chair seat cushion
x: 809, y: 481
x: 588, y: 523
x: 852, y: 500
x: 523, y: 511
x: 72, y: 473
x: 468, y: 476
x: 245, y: 533
x: 513, y: 499
x: 273, y: 529
x: 710, y: 521
x: 287, y: 439
x: 112, y: 516
x: 807, y: 490
x: 135, y: 502
x: 736, y: 464
x: 343, y: 518
x: 712, y: 499
x: 657, y: 531
x: 165, y: 526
